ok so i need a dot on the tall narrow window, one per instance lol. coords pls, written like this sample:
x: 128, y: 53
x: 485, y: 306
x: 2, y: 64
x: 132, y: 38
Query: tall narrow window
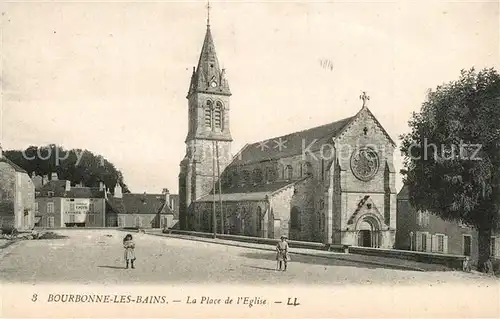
x: 257, y: 175
x: 295, y: 218
x: 208, y: 114
x: 259, y: 221
x: 308, y: 169
x: 289, y: 172
x: 218, y: 115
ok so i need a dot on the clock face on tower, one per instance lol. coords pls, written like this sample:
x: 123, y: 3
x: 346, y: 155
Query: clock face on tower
x: 213, y: 84
x: 364, y: 164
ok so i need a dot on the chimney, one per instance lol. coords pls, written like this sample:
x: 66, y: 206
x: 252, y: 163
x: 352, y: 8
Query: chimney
x: 68, y: 186
x: 53, y: 177
x: 101, y: 186
x: 118, y: 191
x: 166, y: 193
x: 45, y: 179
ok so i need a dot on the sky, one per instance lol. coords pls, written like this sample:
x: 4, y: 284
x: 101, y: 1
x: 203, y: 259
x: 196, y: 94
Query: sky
x: 112, y: 77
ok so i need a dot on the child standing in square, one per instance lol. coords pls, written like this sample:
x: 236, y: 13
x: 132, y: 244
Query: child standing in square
x: 129, y: 254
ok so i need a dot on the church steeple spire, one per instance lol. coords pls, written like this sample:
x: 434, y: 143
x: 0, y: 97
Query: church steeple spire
x: 208, y: 76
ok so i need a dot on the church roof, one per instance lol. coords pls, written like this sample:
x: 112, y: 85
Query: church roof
x: 293, y: 144
x: 208, y: 70
x: 250, y: 192
x: 235, y: 197
x: 403, y: 193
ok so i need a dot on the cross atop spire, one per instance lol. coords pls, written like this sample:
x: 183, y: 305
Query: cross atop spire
x: 365, y: 98
x: 208, y: 13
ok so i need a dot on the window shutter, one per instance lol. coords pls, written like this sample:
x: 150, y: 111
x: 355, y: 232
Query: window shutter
x: 418, y: 241
x: 445, y: 244
x: 429, y: 242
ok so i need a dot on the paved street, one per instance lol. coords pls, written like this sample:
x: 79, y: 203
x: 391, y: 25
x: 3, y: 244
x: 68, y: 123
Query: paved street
x: 95, y: 256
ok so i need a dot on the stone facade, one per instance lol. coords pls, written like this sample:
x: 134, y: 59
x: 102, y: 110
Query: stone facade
x: 17, y: 197
x: 208, y: 129
x: 333, y: 183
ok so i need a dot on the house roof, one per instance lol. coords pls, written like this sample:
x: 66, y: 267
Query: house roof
x: 85, y: 192
x: 139, y: 204
x: 16, y: 167
x: 293, y: 144
x: 58, y: 187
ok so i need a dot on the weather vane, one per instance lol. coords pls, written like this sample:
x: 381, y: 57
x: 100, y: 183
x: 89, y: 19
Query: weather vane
x: 365, y: 98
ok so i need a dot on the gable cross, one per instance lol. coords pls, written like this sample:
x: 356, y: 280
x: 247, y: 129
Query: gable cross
x: 365, y: 98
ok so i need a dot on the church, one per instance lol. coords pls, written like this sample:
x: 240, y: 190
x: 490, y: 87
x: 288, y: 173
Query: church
x: 333, y: 184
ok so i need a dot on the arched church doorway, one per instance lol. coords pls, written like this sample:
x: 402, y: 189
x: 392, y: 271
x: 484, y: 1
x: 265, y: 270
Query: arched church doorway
x: 368, y: 233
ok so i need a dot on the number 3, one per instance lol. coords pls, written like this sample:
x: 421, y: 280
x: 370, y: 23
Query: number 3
x: 34, y: 298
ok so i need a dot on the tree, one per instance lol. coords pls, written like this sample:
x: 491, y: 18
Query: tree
x: 452, y: 154
x: 75, y: 165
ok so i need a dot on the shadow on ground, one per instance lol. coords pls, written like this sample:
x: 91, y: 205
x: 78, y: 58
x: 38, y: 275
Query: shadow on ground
x: 52, y: 235
x: 323, y: 261
x: 112, y: 267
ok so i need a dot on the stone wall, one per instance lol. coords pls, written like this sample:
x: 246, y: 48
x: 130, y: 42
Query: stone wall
x: 7, y: 194
x: 240, y: 218
x: 140, y: 220
x: 26, y: 194
x: 380, y: 189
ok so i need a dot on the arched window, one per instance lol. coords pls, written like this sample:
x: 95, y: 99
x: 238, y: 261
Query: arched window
x: 308, y: 169
x: 208, y: 114
x: 295, y: 218
x: 270, y: 174
x: 257, y: 175
x: 289, y: 172
x: 259, y: 221
x: 321, y: 204
x: 246, y: 177
x: 218, y: 115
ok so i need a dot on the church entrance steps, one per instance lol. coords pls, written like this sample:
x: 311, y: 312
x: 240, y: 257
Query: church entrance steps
x: 382, y: 262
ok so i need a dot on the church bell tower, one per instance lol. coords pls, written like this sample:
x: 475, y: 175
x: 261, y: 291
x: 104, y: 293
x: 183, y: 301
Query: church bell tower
x: 208, y: 140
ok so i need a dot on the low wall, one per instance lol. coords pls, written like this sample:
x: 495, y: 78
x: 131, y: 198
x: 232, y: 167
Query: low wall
x: 451, y: 261
x: 260, y: 240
